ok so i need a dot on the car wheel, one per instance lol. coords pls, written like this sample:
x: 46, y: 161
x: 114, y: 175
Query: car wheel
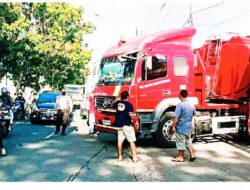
x: 33, y: 121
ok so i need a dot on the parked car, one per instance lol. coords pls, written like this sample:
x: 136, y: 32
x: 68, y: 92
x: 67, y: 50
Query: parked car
x: 46, y: 107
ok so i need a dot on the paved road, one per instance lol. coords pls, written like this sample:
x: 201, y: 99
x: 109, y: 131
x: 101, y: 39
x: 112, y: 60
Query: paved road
x: 37, y: 155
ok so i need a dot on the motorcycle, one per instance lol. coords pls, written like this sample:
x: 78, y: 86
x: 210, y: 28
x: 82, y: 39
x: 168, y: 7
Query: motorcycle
x: 17, y: 110
x: 4, y: 119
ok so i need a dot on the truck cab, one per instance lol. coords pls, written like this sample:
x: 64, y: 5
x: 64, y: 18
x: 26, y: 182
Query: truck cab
x: 153, y: 68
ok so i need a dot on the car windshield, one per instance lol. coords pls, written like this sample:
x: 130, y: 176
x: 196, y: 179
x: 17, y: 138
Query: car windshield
x: 74, y: 90
x: 47, y: 97
x: 74, y: 93
x: 114, y: 72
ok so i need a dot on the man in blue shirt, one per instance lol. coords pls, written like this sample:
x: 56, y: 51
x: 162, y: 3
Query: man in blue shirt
x: 124, y: 114
x: 182, y: 125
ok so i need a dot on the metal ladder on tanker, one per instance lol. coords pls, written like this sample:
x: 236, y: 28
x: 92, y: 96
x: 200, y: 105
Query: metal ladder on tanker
x: 216, y: 57
x: 216, y: 54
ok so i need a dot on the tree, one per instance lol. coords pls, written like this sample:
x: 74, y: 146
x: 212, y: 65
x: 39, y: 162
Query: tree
x: 43, y: 40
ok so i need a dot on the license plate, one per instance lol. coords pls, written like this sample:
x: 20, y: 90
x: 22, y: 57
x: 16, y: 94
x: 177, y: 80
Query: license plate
x: 106, y: 122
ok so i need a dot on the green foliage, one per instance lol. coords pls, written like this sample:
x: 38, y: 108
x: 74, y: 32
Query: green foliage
x: 43, y: 41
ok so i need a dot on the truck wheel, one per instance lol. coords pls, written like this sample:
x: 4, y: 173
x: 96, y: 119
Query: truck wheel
x: 163, y: 135
x: 243, y: 136
x: 194, y: 135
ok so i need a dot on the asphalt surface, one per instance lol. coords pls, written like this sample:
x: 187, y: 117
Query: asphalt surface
x: 36, y: 155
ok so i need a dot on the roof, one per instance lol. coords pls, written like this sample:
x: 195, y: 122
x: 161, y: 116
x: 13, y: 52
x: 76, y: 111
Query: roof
x: 179, y: 35
x: 50, y: 92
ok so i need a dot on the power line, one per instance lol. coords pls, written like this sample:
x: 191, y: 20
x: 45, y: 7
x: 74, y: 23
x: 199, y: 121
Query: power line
x: 212, y: 6
x: 161, y: 8
x: 167, y: 13
x: 201, y: 10
x: 227, y: 20
x: 232, y: 18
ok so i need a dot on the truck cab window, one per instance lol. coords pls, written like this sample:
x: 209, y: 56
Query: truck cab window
x: 154, y: 67
x: 180, y: 66
x: 115, y: 71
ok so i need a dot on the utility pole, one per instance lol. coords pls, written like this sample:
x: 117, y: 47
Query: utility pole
x: 190, y: 14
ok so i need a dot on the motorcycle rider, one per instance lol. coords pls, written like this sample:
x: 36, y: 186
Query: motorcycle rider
x: 21, y: 99
x: 6, y: 99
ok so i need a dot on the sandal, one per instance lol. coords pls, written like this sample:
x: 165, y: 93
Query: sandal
x: 192, y: 159
x: 177, y: 160
x: 3, y: 152
x: 137, y: 159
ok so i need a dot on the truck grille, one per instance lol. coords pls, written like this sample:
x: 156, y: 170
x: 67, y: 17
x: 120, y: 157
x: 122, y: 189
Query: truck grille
x: 104, y: 102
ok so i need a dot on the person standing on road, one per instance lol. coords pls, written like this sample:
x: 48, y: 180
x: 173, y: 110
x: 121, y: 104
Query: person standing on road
x: 124, y: 114
x: 182, y: 125
x: 64, y: 107
x: 91, y: 115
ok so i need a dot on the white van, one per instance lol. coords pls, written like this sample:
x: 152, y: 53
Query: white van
x: 76, y: 92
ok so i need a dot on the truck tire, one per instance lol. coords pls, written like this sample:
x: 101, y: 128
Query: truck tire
x: 243, y: 136
x: 163, y: 134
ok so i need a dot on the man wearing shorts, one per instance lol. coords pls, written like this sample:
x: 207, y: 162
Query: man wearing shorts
x: 182, y: 125
x: 124, y: 113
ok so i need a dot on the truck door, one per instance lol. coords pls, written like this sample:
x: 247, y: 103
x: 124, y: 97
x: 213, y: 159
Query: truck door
x: 154, y: 84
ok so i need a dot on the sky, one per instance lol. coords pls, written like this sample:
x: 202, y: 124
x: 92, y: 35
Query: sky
x: 114, y: 19
x: 127, y: 18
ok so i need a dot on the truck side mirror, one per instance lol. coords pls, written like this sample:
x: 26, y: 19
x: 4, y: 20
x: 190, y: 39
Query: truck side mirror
x: 148, y: 62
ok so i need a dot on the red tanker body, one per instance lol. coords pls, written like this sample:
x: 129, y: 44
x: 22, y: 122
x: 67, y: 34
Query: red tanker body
x: 223, y: 67
x: 232, y: 74
x: 153, y: 68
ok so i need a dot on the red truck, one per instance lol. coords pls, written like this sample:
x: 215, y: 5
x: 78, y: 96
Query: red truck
x: 154, y: 67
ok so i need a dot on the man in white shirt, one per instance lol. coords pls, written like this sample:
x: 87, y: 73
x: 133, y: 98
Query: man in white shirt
x: 64, y: 107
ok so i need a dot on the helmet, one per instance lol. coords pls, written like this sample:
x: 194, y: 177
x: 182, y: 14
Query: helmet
x: 19, y: 94
x: 4, y: 91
